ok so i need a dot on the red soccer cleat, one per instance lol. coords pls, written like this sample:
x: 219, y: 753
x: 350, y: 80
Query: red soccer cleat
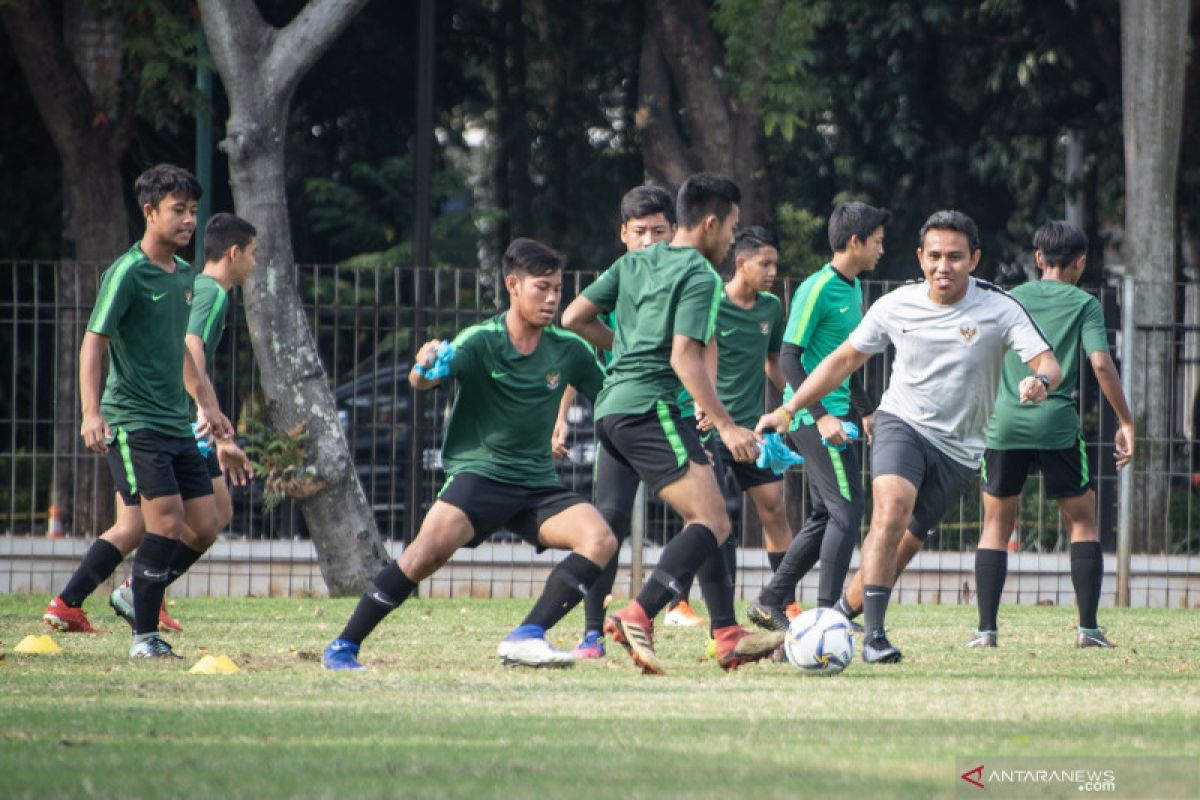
x: 61, y: 617
x: 633, y: 630
x: 737, y: 646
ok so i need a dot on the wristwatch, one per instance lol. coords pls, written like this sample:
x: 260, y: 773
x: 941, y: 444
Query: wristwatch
x: 1044, y: 381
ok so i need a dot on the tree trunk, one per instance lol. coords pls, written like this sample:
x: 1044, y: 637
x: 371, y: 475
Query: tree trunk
x: 66, y: 71
x: 1153, y: 58
x: 260, y: 67
x: 681, y: 51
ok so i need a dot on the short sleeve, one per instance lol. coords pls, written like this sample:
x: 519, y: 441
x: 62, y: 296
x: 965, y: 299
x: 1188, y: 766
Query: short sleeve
x: 603, y: 291
x: 204, y: 304
x: 1022, y: 334
x: 1093, y: 336
x: 118, y: 289
x: 776, y: 341
x: 871, y: 335
x: 806, y: 310
x: 696, y: 310
x: 587, y: 373
x: 467, y: 355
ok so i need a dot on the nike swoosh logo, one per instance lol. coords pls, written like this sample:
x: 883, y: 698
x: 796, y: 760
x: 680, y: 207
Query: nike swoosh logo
x: 726, y: 333
x: 875, y: 594
x: 383, y: 601
x: 843, y: 309
x: 154, y: 576
x: 157, y: 297
x: 498, y: 375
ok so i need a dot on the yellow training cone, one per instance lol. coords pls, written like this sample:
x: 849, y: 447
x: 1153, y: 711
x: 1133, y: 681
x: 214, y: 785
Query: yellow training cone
x: 205, y: 666
x: 225, y: 665
x: 36, y: 644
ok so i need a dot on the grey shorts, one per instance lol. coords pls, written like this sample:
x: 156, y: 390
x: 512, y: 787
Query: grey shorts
x: 897, y: 449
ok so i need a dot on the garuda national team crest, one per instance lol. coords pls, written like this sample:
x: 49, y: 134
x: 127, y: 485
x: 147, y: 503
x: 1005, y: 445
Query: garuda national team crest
x: 552, y: 379
x: 968, y: 332
x: 187, y: 296
x: 765, y: 327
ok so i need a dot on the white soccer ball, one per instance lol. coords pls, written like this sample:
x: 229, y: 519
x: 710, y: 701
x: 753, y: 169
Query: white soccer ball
x: 820, y: 641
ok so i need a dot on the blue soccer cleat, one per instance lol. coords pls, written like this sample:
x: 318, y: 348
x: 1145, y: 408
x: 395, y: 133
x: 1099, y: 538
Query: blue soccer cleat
x: 341, y: 655
x: 526, y: 646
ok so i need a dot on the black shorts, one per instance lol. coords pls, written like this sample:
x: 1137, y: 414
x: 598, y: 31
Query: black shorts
x: 149, y: 464
x: 898, y: 449
x: 492, y: 505
x: 214, y: 466
x: 1065, y: 471
x: 746, y: 474
x: 656, y: 444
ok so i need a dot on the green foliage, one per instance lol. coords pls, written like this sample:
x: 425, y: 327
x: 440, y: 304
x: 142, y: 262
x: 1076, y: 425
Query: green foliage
x: 278, y: 458
x: 771, y: 58
x: 800, y: 236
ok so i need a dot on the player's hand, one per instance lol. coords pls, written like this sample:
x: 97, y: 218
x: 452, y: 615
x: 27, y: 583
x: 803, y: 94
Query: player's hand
x: 868, y: 426
x: 742, y: 442
x: 772, y: 422
x: 1032, y: 390
x: 95, y: 432
x: 558, y: 439
x: 234, y: 463
x: 211, y: 420
x: 704, y: 422
x: 1123, y: 446
x: 830, y: 428
x: 427, y: 354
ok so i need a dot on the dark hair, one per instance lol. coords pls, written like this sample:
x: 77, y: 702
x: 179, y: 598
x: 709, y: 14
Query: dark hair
x: 705, y: 193
x: 1060, y: 243
x: 753, y: 239
x: 855, y: 219
x: 945, y: 220
x: 528, y: 257
x: 224, y: 231
x: 646, y: 201
x: 163, y: 180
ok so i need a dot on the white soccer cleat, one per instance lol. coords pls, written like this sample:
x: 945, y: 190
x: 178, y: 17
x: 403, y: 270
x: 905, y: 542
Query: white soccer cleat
x: 533, y: 652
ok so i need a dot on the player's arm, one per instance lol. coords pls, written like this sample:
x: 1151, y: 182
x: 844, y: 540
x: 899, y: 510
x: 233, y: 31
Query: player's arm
x: 1046, y: 377
x: 208, y: 413
x: 1110, y: 383
x: 688, y: 361
x: 195, y: 346
x: 712, y: 361
x: 820, y: 382
x: 583, y: 317
x: 829, y: 426
x: 94, y: 429
x: 558, y: 439
x: 425, y: 358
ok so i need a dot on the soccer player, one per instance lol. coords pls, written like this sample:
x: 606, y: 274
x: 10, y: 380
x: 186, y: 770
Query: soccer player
x: 1047, y: 436
x: 229, y: 259
x: 950, y: 332
x: 647, y: 217
x: 229, y: 246
x: 143, y: 422
x: 511, y: 371
x: 666, y: 297
x: 826, y: 307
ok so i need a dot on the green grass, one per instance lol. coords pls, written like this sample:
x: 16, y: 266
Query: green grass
x: 438, y: 717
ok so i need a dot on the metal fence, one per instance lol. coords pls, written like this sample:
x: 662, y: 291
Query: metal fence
x: 364, y: 322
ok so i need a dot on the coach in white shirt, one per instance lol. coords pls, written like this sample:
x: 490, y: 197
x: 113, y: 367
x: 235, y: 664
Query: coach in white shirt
x: 950, y: 332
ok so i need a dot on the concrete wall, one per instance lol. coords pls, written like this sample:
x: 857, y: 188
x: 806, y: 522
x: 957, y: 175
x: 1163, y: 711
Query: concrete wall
x: 289, y: 568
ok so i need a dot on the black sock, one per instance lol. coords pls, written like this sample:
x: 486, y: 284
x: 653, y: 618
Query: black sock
x: 680, y: 559
x: 593, y: 604
x: 775, y: 559
x: 566, y: 585
x: 98, y: 564
x: 385, y: 593
x: 685, y: 591
x: 844, y: 608
x: 717, y: 582
x: 182, y: 561
x: 991, y: 568
x: 875, y: 603
x: 1087, y: 576
x: 800, y: 557
x: 150, y: 571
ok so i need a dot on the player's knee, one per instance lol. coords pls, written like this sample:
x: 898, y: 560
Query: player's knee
x: 620, y: 521
x: 124, y: 536
x: 599, y: 544
x: 720, y: 526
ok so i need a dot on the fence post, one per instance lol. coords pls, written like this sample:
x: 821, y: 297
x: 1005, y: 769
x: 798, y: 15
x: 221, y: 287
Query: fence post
x: 1125, y: 482
x: 637, y: 538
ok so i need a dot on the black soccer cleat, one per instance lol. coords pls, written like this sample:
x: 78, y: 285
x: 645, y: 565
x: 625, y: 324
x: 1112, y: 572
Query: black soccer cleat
x: 771, y: 618
x: 1092, y: 637
x: 878, y: 650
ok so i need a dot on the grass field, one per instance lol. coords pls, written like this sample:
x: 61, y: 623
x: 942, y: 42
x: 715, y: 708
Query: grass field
x: 436, y: 716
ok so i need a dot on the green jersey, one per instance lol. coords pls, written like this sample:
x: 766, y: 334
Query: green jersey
x: 143, y: 310
x: 825, y: 309
x: 658, y: 292
x: 1071, y: 319
x: 507, y: 403
x: 210, y: 302
x: 744, y: 338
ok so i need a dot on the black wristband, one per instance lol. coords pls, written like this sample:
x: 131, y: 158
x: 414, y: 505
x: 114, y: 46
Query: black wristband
x: 1044, y: 381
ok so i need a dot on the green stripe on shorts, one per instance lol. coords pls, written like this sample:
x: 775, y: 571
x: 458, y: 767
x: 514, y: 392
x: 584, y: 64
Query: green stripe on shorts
x: 668, y: 426
x: 445, y: 486
x: 1083, y: 463
x: 839, y: 469
x: 126, y: 460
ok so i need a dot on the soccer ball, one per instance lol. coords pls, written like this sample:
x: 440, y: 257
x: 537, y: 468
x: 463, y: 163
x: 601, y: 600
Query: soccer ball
x: 820, y: 641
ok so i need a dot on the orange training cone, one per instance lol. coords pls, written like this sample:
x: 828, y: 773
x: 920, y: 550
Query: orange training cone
x: 55, y: 529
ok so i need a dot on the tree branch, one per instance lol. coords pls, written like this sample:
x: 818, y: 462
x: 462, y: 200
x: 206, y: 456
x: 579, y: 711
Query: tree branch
x: 305, y: 39
x: 235, y: 32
